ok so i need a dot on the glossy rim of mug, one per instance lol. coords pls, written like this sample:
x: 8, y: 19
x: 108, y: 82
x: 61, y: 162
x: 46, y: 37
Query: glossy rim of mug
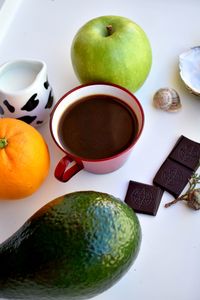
x: 79, y: 159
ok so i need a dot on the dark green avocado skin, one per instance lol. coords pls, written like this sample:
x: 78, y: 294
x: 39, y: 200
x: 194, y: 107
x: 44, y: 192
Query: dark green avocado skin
x: 75, y: 247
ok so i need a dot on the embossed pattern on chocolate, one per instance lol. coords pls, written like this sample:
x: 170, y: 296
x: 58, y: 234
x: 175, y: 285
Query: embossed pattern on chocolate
x: 143, y: 198
x: 177, y: 169
x: 186, y: 152
x: 172, y: 177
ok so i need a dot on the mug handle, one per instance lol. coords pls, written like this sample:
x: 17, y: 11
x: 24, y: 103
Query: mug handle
x: 63, y: 173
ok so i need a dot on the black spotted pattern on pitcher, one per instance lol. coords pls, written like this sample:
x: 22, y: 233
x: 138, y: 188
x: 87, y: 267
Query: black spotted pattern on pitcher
x: 31, y: 106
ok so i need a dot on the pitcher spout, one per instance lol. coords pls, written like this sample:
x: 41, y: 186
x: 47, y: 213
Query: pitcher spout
x: 19, y: 75
x: 25, y: 92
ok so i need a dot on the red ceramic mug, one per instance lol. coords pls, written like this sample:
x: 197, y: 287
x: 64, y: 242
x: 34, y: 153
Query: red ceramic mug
x: 72, y: 163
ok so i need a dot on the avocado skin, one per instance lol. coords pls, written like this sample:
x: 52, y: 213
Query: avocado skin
x: 75, y: 247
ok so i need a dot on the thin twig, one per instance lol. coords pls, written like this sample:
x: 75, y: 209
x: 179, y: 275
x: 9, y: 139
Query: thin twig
x: 193, y: 181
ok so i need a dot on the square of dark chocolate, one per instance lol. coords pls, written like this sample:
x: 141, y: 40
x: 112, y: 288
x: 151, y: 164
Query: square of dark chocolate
x: 143, y: 198
x: 172, y: 177
x: 187, y: 153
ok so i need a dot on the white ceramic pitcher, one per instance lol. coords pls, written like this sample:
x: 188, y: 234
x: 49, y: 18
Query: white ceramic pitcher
x: 25, y: 92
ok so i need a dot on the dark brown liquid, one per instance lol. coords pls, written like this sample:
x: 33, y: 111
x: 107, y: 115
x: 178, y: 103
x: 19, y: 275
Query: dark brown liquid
x: 97, y: 126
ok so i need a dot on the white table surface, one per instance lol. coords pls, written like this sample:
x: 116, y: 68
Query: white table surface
x: 168, y: 265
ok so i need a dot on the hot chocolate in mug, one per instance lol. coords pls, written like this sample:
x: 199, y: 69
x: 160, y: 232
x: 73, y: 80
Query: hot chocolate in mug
x: 96, y: 126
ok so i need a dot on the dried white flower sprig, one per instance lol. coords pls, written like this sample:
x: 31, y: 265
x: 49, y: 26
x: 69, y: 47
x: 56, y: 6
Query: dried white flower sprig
x: 192, y: 195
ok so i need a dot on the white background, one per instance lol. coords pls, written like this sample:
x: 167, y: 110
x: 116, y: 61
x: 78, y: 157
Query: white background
x: 168, y: 265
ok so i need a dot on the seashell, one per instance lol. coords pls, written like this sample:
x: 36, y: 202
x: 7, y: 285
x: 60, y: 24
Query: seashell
x: 189, y: 65
x: 167, y: 99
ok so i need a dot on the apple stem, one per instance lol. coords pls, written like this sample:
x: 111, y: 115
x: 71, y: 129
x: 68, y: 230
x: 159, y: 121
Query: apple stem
x: 109, y: 29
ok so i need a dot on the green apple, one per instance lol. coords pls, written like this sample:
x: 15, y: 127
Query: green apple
x: 112, y: 49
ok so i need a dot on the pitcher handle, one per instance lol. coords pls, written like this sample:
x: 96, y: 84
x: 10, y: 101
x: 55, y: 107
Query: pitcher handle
x: 63, y: 171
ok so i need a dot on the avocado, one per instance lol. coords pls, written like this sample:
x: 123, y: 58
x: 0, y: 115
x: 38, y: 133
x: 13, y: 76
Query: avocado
x: 74, y: 247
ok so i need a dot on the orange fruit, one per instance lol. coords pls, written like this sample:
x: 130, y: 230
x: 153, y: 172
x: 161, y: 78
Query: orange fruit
x: 24, y: 159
